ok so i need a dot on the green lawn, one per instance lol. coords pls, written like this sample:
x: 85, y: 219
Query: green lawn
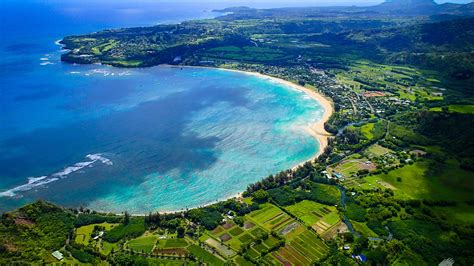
x: 172, y: 243
x: 143, y: 244
x: 107, y: 247
x: 377, y: 150
x: 83, y: 233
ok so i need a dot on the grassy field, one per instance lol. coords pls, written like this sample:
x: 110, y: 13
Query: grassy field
x: 351, y: 166
x: 388, y: 78
x: 319, y: 216
x: 204, y: 255
x: 172, y: 243
x: 171, y: 247
x: 83, y: 233
x: 363, y: 229
x: 366, y: 130
x: 376, y: 150
x: 143, y: 244
x: 463, y: 109
x: 415, y: 182
x: 462, y: 213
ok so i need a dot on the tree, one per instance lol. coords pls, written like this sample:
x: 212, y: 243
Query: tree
x: 126, y: 218
x: 180, y: 231
x: 361, y: 244
x: 260, y: 195
x: 239, y: 220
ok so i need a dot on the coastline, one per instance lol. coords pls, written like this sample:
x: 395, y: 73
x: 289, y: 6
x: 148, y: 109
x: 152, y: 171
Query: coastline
x: 316, y: 130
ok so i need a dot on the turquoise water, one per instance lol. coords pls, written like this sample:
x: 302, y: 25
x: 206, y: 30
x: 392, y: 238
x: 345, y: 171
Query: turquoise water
x: 134, y: 139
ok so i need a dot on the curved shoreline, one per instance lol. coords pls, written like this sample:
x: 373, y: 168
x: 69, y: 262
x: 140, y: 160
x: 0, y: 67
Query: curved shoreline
x: 316, y: 130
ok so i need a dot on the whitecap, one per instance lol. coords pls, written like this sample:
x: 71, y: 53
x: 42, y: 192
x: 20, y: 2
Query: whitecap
x: 99, y: 157
x: 34, y: 182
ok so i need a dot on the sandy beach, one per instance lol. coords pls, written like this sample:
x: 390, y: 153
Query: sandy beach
x: 316, y: 130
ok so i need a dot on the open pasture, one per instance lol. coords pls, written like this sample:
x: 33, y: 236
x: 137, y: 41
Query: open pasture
x: 416, y: 182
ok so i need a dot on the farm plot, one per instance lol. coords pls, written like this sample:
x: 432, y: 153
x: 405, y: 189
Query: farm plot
x: 304, y: 249
x: 270, y: 218
x: 348, y: 168
x: 319, y: 216
x: 171, y: 247
x: 259, y: 249
x: 235, y: 236
x: 221, y: 249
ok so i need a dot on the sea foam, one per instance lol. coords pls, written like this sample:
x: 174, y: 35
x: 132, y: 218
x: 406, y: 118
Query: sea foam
x: 34, y: 182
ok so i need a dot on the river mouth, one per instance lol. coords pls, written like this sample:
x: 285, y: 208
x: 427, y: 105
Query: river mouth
x: 153, y: 139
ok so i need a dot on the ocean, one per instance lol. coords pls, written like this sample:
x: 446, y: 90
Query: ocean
x: 137, y: 140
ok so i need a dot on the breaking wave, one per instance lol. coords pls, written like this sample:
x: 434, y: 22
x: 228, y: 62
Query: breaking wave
x: 34, y: 182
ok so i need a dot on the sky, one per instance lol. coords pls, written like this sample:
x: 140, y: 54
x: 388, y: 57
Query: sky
x: 268, y: 3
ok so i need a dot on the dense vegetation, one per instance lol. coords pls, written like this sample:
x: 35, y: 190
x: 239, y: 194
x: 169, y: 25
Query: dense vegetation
x: 394, y: 185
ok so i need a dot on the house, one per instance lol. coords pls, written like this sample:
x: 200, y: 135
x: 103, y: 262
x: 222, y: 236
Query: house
x: 360, y: 257
x: 338, y: 175
x: 58, y: 255
x: 101, y: 233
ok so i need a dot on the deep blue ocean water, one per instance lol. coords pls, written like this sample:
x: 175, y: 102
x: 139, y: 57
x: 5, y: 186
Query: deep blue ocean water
x: 139, y: 140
